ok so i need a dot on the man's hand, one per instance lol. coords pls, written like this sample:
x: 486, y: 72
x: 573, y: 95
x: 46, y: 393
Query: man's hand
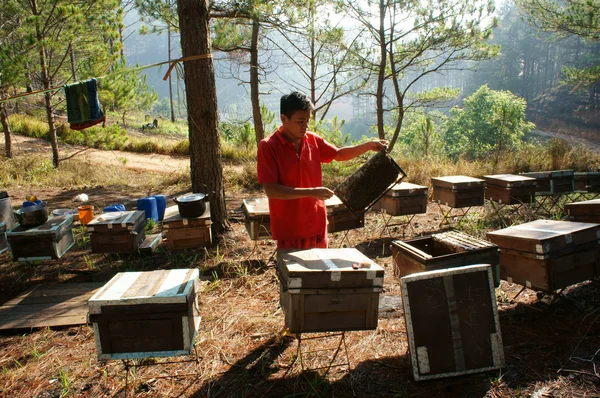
x: 378, y: 145
x: 322, y: 193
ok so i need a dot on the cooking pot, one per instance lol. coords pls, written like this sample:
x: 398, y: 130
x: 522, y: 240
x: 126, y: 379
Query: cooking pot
x: 32, y: 216
x: 191, y: 205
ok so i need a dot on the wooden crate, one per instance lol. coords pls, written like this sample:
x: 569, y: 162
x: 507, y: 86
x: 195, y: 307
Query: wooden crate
x: 117, y: 232
x: 322, y: 292
x: 553, y: 182
x: 585, y: 211
x: 404, y: 199
x: 444, y: 250
x: 184, y: 233
x: 146, y: 314
x: 548, y: 255
x: 452, y: 322
x: 510, y: 188
x: 340, y: 218
x: 48, y: 241
x: 258, y: 218
x: 458, y: 191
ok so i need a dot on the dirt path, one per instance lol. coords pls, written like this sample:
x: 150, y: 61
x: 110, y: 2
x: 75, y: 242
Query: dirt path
x: 145, y: 161
x: 592, y: 144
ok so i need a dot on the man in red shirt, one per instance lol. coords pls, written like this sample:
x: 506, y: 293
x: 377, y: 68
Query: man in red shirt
x: 289, y: 168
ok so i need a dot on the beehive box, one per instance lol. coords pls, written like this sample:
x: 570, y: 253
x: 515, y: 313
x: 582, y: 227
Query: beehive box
x: 548, y: 255
x: 588, y: 181
x: 585, y: 211
x: 510, y: 188
x: 370, y: 182
x: 340, y: 218
x: 452, y: 322
x: 444, y: 250
x: 146, y: 314
x: 117, y: 232
x: 404, y: 199
x: 458, y: 191
x: 552, y: 182
x: 258, y: 218
x: 183, y: 233
x: 322, y: 292
x: 47, y: 241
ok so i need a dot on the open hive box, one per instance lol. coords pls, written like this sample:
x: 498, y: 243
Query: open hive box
x: 458, y: 191
x: 510, y: 188
x: 47, y: 241
x: 182, y: 233
x: 117, y: 232
x: 452, y: 322
x: 444, y: 250
x: 404, y: 199
x: 548, y: 255
x: 321, y: 291
x: 146, y: 314
x: 552, y: 182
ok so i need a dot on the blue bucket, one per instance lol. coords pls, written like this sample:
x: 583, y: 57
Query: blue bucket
x: 113, y: 208
x: 161, y: 205
x: 148, y: 205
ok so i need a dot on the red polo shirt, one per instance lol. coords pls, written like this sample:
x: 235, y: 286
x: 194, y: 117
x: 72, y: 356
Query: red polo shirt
x: 278, y: 163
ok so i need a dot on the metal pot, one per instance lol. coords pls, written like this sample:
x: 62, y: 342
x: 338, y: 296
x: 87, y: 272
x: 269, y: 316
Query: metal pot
x: 191, y: 205
x: 32, y: 216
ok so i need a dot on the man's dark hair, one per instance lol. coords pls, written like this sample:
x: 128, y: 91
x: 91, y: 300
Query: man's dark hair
x: 293, y: 102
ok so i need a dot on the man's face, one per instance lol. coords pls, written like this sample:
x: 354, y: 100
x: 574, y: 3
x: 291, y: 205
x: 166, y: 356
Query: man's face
x: 295, y: 127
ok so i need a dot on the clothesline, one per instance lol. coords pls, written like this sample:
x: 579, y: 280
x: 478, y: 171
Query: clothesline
x: 172, y: 62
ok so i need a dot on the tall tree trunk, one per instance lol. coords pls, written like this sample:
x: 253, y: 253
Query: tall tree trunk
x: 170, y: 82
x: 382, y: 64
x: 205, y: 149
x: 6, y: 128
x: 254, y: 83
x: 72, y: 59
x: 47, y: 85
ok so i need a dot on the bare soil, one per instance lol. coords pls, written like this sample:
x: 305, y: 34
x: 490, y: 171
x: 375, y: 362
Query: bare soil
x: 552, y: 347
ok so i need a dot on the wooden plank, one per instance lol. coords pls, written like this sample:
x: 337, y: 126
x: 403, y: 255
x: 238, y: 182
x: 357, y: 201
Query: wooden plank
x: 48, y: 305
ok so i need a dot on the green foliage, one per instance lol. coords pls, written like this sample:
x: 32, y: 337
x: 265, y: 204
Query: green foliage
x: 421, y: 134
x: 490, y: 123
x: 331, y: 130
x: 108, y: 138
x: 125, y: 91
x: 268, y: 119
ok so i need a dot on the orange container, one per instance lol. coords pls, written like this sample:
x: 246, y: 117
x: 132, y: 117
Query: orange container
x: 86, y: 214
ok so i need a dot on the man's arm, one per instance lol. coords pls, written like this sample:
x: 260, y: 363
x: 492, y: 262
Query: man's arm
x: 278, y: 191
x: 350, y: 152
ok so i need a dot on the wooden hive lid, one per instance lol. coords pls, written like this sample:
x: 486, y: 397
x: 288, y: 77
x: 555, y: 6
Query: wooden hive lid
x: 256, y: 207
x: 56, y: 226
x: 545, y: 236
x: 173, y: 219
x: 117, y: 221
x: 584, y: 203
x: 509, y: 180
x: 457, y: 182
x: 148, y: 287
x: 327, y: 268
x: 407, y: 189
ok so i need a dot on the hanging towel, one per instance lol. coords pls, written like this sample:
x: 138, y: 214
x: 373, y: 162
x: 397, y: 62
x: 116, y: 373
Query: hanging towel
x: 83, y: 106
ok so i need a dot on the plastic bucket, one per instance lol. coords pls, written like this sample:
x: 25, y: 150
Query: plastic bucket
x: 148, y: 205
x: 161, y: 205
x: 86, y: 214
